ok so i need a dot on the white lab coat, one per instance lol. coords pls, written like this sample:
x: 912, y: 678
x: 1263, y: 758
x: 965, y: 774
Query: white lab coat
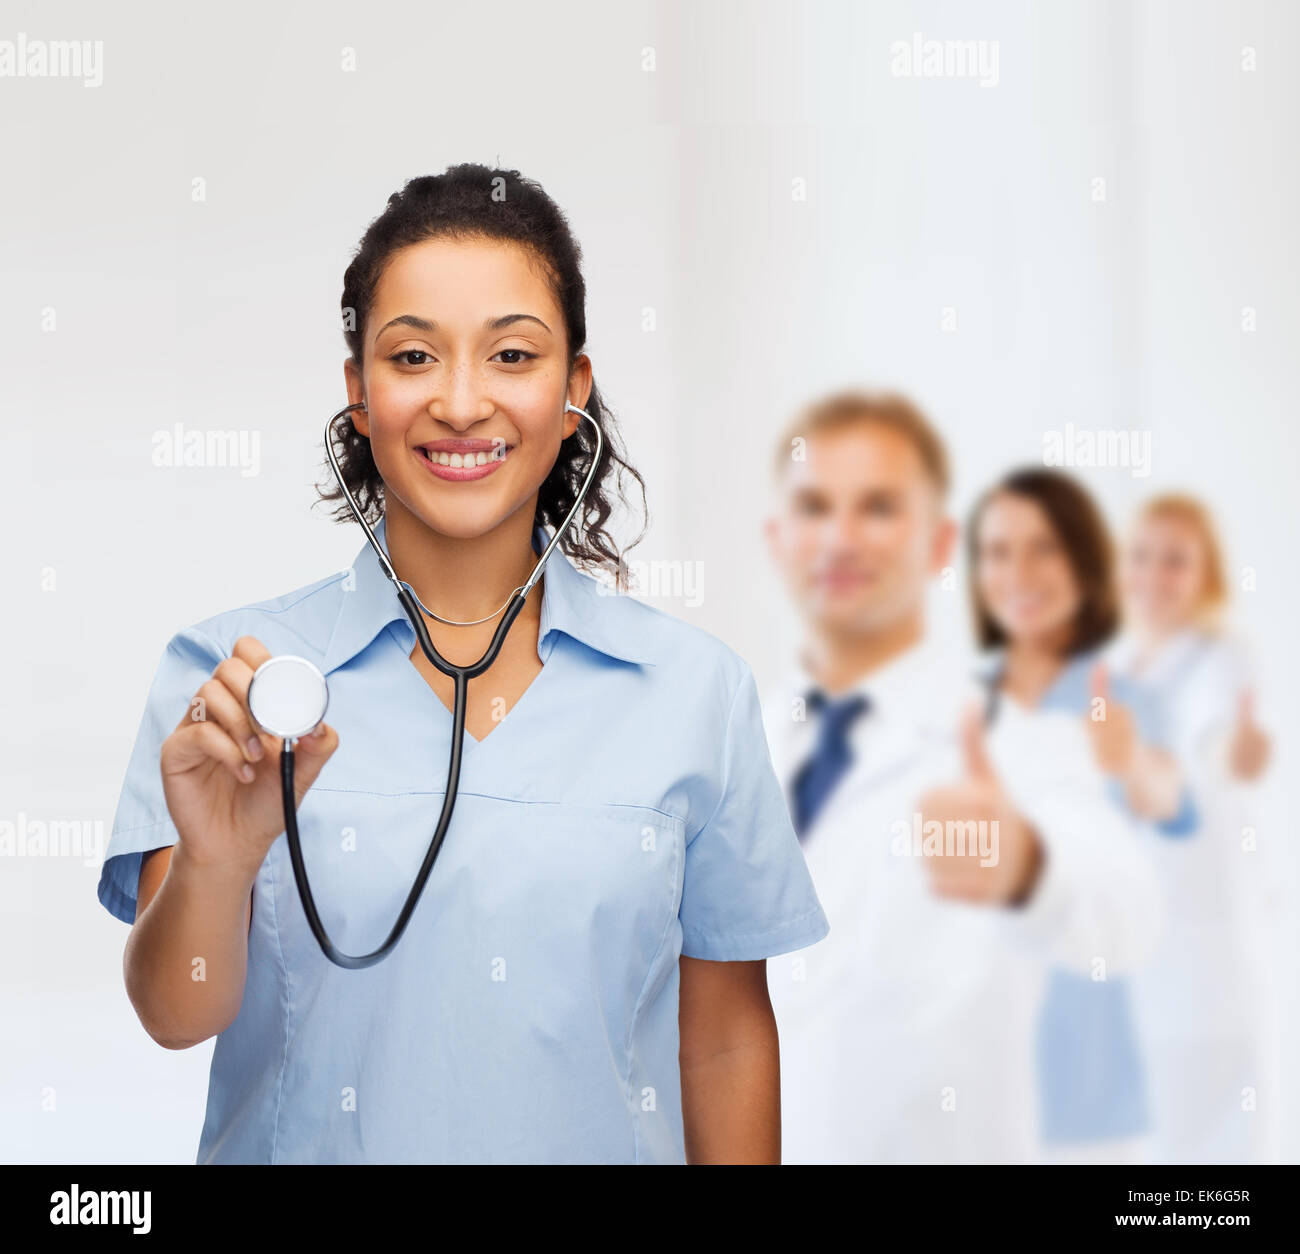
x: 1203, y: 1004
x: 907, y: 1033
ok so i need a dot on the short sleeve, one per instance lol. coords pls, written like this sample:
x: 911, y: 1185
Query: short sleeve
x: 141, y: 822
x: 747, y: 893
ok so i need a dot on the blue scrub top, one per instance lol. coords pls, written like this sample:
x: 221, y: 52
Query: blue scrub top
x: 623, y: 813
x: 1092, y: 1080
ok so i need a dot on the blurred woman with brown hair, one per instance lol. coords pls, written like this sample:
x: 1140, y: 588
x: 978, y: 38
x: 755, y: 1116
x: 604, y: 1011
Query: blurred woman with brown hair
x: 1045, y: 603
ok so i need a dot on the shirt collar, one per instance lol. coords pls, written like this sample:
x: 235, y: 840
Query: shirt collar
x: 883, y: 685
x: 920, y: 687
x: 572, y: 602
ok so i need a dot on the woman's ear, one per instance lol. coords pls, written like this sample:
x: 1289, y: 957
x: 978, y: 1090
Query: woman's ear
x: 579, y: 387
x: 356, y: 392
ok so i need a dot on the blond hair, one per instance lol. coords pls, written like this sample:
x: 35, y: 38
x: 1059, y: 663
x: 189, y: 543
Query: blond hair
x: 1185, y: 508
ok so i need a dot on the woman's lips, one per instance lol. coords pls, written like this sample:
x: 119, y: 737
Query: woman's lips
x: 470, y: 466
x: 843, y: 580
x: 1025, y: 605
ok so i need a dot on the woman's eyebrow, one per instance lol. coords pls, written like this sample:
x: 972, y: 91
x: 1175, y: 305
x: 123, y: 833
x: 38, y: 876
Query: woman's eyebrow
x: 423, y: 324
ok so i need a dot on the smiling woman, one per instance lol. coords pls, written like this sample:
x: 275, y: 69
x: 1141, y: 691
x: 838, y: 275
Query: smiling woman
x: 584, y: 977
x: 449, y: 234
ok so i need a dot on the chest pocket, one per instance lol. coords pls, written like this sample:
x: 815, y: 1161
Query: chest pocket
x: 573, y: 905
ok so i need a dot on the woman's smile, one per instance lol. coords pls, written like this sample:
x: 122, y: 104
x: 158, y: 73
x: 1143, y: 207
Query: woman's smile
x: 460, y: 460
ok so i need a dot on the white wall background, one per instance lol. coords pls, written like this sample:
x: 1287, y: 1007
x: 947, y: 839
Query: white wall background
x: 922, y: 194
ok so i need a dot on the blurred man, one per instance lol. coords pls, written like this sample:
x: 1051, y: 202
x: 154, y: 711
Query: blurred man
x: 951, y: 864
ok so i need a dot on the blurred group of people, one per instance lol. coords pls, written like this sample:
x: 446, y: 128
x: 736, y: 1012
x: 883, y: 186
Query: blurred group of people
x: 1036, y: 853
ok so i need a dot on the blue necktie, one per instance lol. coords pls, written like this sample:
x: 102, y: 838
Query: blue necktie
x: 832, y: 757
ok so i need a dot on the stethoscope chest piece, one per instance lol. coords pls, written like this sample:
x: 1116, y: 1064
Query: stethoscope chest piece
x: 287, y: 696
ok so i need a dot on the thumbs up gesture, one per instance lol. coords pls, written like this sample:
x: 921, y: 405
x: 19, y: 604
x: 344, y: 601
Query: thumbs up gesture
x: 1150, y: 777
x: 981, y: 850
x: 1111, y: 728
x: 1249, y: 745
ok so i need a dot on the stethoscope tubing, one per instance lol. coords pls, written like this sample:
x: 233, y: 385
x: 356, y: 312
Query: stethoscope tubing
x: 460, y: 675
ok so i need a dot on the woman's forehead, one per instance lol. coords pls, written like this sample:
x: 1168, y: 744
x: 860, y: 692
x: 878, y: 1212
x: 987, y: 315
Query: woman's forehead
x: 449, y: 274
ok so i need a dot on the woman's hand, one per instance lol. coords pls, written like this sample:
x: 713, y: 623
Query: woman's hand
x: 221, y: 777
x: 1151, y: 778
x: 1248, y: 746
x: 1112, y: 729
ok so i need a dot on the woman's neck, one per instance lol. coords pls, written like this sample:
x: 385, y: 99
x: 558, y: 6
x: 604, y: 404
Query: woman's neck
x: 461, y: 579
x: 1150, y: 638
x: 1030, y: 668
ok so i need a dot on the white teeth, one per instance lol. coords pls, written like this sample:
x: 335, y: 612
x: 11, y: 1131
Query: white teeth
x: 458, y: 460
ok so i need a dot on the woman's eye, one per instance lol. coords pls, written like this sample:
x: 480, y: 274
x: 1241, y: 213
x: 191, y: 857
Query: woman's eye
x: 419, y: 357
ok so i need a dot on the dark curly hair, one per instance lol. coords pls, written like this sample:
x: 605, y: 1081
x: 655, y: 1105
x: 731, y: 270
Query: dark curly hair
x: 471, y: 201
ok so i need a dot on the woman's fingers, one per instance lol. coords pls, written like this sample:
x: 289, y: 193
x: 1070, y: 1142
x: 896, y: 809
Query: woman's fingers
x: 201, y: 742
x: 230, y: 713
x: 222, y: 704
x: 252, y: 652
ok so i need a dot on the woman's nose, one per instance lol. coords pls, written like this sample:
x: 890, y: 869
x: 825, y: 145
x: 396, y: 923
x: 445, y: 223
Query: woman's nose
x: 460, y: 401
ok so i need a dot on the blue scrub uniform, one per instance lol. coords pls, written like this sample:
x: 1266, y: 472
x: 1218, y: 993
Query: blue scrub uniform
x: 623, y: 813
x: 1091, y: 1075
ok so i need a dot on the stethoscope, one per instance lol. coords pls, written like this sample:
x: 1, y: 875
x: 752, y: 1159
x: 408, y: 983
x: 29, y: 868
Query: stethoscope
x: 288, y: 696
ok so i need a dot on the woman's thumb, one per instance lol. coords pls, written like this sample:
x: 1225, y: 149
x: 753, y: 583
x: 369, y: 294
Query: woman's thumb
x: 1100, y: 682
x: 974, y: 754
x: 311, y: 753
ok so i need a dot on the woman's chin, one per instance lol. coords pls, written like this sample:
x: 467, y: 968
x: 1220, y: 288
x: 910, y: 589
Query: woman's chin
x: 1032, y: 629
x: 463, y: 524
x: 460, y: 517
x: 1163, y: 622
